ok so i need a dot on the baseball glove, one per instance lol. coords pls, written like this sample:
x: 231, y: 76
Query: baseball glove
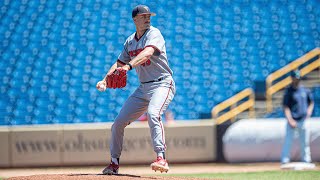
x: 118, y: 79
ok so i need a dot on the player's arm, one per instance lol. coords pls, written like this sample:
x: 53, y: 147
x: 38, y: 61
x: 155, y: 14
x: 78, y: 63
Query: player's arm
x: 287, y: 112
x: 141, y: 58
x: 310, y: 104
x: 310, y: 109
x: 288, y: 115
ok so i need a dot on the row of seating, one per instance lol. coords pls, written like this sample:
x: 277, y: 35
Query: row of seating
x: 55, y: 51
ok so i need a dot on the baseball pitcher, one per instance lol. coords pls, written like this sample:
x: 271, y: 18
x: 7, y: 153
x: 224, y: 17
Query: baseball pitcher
x: 145, y: 52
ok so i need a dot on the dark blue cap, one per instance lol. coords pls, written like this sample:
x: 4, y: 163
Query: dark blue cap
x: 296, y: 74
x: 141, y: 9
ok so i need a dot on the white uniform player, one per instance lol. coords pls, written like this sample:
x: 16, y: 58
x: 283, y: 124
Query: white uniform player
x: 145, y: 52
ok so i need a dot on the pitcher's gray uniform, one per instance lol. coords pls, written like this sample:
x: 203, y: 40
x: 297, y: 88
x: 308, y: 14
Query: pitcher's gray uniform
x: 154, y: 94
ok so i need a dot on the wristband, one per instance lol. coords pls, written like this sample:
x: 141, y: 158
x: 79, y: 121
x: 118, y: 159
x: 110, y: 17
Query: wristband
x: 130, y: 66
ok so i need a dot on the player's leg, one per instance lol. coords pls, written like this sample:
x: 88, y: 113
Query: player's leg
x: 132, y: 109
x: 304, y: 139
x: 159, y: 102
x: 286, y: 149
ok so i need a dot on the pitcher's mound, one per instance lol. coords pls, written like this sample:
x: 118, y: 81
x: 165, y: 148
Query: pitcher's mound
x: 95, y: 177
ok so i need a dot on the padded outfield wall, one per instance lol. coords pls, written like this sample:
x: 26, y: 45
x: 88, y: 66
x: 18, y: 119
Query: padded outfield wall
x: 247, y: 140
x: 88, y: 144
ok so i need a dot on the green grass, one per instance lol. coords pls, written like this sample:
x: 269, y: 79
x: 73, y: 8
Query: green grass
x: 267, y: 175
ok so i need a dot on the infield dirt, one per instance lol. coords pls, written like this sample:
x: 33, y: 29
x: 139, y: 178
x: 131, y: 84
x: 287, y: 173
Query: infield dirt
x: 132, y: 172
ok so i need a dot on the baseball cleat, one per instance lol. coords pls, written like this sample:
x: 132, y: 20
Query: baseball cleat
x: 111, y: 169
x: 160, y: 165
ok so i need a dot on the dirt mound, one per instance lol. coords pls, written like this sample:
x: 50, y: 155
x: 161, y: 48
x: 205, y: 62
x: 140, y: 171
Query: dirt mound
x: 95, y: 177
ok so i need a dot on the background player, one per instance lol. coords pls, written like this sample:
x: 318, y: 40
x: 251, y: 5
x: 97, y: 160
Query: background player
x: 298, y: 106
x: 144, y: 51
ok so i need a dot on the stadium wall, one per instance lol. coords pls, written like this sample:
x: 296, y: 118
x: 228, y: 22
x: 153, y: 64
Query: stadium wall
x: 88, y: 144
x: 248, y: 140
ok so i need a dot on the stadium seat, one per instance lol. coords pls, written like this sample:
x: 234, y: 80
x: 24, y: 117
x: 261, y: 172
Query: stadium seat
x: 62, y: 48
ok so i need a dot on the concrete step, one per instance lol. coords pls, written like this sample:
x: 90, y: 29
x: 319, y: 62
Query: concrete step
x: 310, y: 83
x: 260, y: 108
x: 313, y: 74
x: 260, y: 104
x: 278, y: 95
x: 245, y: 115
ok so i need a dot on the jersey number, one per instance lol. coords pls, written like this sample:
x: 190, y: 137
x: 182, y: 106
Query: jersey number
x: 147, y: 63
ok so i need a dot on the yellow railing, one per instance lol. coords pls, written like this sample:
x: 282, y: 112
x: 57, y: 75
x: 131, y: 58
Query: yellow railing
x: 234, y: 108
x: 273, y: 88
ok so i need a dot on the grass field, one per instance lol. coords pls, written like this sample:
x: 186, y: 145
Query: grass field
x: 283, y: 175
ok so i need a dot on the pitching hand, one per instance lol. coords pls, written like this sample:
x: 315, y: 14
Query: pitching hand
x: 101, y: 86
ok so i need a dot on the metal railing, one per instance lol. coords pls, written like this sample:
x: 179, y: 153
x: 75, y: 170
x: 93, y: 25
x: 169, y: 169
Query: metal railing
x: 235, y: 109
x: 273, y: 88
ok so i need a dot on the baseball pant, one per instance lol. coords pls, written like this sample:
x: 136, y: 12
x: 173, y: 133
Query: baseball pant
x: 304, y: 139
x: 152, y: 98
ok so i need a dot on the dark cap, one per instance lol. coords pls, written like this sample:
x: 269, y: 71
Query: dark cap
x: 295, y: 74
x: 141, y: 9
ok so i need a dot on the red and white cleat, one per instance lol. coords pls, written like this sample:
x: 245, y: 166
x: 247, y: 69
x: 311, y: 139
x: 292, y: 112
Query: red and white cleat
x: 160, y: 165
x: 111, y: 169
